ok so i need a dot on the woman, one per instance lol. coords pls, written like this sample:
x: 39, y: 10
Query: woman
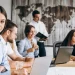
x: 70, y: 41
x: 28, y: 46
x: 4, y: 65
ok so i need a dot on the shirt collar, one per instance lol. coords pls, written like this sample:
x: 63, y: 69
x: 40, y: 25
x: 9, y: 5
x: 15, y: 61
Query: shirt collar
x: 35, y: 21
x: 2, y: 40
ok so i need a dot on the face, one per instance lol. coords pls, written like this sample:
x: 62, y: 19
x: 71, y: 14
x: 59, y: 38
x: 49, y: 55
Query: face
x: 73, y: 39
x: 37, y: 17
x: 2, y: 21
x: 12, y: 35
x: 31, y: 34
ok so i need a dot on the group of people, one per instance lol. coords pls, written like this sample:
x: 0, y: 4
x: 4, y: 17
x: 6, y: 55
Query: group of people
x: 27, y: 49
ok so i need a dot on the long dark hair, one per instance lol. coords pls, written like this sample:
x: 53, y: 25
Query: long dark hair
x: 2, y: 11
x: 67, y: 40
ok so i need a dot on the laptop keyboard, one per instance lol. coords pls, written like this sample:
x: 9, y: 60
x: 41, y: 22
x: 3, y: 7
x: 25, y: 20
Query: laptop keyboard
x: 61, y: 71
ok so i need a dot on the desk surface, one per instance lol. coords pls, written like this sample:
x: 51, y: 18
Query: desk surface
x: 35, y: 67
x: 68, y: 64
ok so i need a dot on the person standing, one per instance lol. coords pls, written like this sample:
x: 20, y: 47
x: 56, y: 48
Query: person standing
x: 39, y: 27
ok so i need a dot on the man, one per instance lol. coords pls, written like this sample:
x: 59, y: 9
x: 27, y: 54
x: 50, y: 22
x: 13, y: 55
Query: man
x: 8, y: 35
x: 39, y: 27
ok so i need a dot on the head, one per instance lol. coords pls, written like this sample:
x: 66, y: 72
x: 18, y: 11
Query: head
x: 70, y: 39
x: 3, y: 18
x: 29, y: 31
x: 36, y: 15
x: 10, y: 31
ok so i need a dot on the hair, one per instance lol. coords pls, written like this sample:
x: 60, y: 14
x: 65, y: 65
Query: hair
x: 27, y: 29
x: 67, y: 40
x: 35, y: 12
x: 2, y: 10
x: 9, y: 26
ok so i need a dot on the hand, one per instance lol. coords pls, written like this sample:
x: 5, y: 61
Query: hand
x: 28, y: 59
x: 35, y: 46
x: 30, y: 50
x: 42, y: 39
x: 72, y: 58
x: 20, y: 72
x: 2, y: 68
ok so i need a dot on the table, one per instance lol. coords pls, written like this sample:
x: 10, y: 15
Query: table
x: 28, y: 69
x: 61, y: 71
x: 68, y: 64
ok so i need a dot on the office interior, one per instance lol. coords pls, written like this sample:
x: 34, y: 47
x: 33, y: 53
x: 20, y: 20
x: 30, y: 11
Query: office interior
x: 56, y: 36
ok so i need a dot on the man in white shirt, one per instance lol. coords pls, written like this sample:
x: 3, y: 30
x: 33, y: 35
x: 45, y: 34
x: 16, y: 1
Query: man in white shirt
x: 39, y: 27
x: 8, y: 35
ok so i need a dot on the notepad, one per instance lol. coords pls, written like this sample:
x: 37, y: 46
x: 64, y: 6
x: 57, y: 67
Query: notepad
x: 40, y: 35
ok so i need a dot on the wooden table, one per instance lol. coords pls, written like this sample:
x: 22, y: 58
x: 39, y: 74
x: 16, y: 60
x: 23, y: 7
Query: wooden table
x: 28, y: 69
x: 68, y: 64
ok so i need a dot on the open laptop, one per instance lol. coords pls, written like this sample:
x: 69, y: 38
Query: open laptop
x: 63, y: 55
x: 41, y: 66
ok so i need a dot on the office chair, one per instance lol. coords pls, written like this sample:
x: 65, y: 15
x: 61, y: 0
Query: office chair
x: 56, y: 45
x: 17, y: 42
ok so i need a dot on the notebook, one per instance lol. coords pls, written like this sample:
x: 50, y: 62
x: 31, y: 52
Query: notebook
x: 40, y: 35
x: 41, y: 66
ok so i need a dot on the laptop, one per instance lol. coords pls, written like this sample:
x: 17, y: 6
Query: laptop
x: 41, y: 66
x: 63, y: 55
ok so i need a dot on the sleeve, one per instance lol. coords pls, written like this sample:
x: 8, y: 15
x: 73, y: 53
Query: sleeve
x: 45, y: 30
x: 15, y: 49
x: 9, y: 49
x: 3, y: 58
x: 6, y: 63
x: 21, y: 48
x: 36, y: 53
x: 1, y: 54
x: 17, y: 53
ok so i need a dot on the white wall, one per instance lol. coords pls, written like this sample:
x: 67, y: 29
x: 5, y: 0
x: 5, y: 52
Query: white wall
x: 7, y: 5
x: 49, y: 51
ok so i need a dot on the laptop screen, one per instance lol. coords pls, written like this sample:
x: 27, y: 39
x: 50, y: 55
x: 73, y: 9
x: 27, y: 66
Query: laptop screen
x: 63, y: 54
x: 41, y: 66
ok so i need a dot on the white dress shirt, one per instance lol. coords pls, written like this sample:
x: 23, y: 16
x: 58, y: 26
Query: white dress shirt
x: 10, y: 51
x: 39, y: 27
x: 3, y: 55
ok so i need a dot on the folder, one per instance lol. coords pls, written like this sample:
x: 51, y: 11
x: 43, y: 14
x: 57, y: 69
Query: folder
x: 40, y: 35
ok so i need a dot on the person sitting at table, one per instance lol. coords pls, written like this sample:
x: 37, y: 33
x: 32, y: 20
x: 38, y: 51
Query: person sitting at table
x: 4, y: 65
x: 70, y: 41
x: 9, y: 34
x: 28, y: 46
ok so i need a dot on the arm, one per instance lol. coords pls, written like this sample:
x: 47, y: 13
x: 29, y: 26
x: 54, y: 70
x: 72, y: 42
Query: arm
x: 15, y: 57
x: 2, y: 68
x: 4, y: 65
x: 34, y: 47
x: 21, y: 49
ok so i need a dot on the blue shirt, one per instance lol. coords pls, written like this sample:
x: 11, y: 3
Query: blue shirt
x: 3, y: 56
x: 24, y: 45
